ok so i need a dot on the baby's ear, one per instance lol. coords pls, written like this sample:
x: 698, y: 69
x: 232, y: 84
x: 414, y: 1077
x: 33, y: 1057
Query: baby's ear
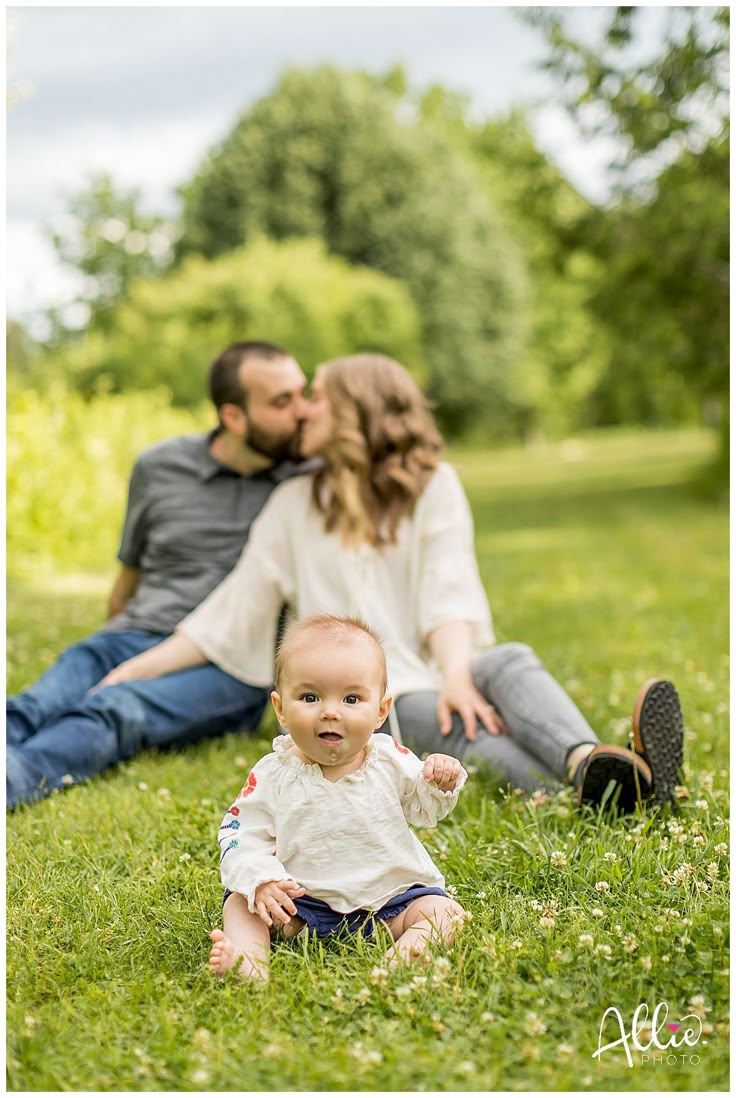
x: 384, y: 708
x: 278, y: 708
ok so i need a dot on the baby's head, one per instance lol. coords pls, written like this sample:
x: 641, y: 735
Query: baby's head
x: 331, y: 687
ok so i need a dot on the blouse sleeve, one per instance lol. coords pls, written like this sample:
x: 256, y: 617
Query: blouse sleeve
x: 235, y: 626
x: 449, y: 584
x: 424, y: 804
x: 247, y: 837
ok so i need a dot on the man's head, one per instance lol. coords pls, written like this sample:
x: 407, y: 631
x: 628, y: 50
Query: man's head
x: 258, y: 391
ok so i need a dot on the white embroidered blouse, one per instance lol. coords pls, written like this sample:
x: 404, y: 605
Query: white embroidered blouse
x: 347, y: 842
x: 404, y: 591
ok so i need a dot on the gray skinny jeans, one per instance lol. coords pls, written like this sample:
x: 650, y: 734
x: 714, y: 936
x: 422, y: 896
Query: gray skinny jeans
x: 543, y: 722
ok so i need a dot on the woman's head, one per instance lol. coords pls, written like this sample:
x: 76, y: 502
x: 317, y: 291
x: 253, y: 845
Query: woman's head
x: 371, y: 422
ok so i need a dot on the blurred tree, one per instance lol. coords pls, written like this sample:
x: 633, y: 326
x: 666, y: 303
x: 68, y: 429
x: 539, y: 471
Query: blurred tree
x: 110, y: 242
x: 168, y: 329
x: 665, y: 245
x: 342, y: 156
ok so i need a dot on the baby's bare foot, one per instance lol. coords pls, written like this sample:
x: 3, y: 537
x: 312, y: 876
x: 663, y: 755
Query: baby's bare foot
x: 225, y: 955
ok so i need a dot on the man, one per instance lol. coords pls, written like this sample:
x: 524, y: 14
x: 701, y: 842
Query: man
x: 191, y: 504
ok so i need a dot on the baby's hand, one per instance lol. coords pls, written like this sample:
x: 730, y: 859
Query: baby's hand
x: 274, y: 900
x: 442, y: 770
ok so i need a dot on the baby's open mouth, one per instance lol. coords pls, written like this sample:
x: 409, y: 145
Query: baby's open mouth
x: 330, y: 737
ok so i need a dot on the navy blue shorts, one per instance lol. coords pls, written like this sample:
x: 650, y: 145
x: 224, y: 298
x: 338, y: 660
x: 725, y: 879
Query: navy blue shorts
x: 322, y: 921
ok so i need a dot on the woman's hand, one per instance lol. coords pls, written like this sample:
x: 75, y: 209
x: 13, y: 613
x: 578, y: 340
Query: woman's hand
x: 442, y: 771
x: 124, y: 672
x: 459, y: 695
x: 275, y: 900
x: 176, y: 653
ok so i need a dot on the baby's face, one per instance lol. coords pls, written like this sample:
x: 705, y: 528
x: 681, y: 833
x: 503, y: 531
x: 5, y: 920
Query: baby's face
x: 332, y: 699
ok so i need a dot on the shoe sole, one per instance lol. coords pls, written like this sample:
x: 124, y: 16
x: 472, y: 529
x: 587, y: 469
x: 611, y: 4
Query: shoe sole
x: 658, y: 729
x: 607, y: 768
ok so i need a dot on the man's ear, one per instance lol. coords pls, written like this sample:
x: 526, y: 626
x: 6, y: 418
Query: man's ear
x: 384, y: 708
x: 234, y: 419
x: 278, y: 708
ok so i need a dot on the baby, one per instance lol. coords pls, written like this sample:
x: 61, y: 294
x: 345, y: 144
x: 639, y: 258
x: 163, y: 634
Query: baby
x: 318, y: 836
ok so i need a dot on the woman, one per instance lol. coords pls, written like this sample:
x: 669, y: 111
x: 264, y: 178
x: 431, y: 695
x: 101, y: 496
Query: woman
x: 383, y: 532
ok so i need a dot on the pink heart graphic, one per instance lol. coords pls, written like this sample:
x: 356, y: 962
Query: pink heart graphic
x: 673, y: 1026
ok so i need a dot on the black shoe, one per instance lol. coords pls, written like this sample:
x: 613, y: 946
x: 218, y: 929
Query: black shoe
x: 657, y: 725
x: 607, y: 763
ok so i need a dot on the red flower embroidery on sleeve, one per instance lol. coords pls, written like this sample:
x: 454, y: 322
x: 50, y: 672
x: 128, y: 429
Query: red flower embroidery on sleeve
x: 234, y: 811
x: 249, y: 785
x: 397, y: 745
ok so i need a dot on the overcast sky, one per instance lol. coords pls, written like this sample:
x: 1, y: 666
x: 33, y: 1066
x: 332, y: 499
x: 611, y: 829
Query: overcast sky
x: 142, y: 92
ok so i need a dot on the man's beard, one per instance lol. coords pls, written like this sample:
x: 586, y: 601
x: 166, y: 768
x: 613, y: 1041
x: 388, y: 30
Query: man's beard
x: 262, y: 443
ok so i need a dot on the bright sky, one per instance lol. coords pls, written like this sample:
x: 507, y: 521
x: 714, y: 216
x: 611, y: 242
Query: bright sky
x: 142, y: 92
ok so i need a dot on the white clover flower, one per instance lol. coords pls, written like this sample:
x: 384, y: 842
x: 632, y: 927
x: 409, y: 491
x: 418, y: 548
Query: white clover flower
x: 696, y: 1005
x: 603, y: 949
x: 664, y: 844
x: 538, y: 797
x: 712, y: 870
x: 682, y: 792
x: 487, y: 1017
x: 629, y: 943
x: 534, y: 1025
x: 379, y: 976
x: 558, y: 858
x: 272, y: 1051
x: 547, y: 922
x: 702, y: 805
x: 451, y: 890
x: 442, y: 968
x: 200, y: 1075
x: 418, y: 981
x: 602, y: 886
x: 466, y: 1067
x: 610, y: 856
x: 143, y: 786
x: 597, y: 913
x: 402, y: 992
x: 536, y: 906
x: 164, y: 792
x: 516, y: 944
x: 702, y: 886
x: 365, y: 1055
x: 185, y: 857
x: 698, y: 840
x: 363, y: 995
x: 586, y: 940
x: 646, y: 963
x: 721, y: 848
x: 565, y: 1051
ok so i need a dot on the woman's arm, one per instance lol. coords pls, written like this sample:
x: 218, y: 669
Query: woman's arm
x: 176, y: 653
x: 451, y: 646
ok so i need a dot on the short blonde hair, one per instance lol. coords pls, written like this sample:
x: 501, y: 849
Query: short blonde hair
x: 332, y: 628
x: 383, y: 450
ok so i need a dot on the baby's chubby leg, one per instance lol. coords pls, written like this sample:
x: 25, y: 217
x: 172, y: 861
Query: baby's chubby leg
x: 426, y: 919
x: 244, y: 941
x: 246, y: 937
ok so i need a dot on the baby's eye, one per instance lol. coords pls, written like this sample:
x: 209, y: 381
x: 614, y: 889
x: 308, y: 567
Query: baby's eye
x: 352, y: 699
x: 308, y: 697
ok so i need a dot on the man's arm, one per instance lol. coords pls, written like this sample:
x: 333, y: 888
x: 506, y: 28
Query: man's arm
x: 123, y: 589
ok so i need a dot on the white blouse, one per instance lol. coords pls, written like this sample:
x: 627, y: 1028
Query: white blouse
x: 347, y: 842
x: 404, y: 591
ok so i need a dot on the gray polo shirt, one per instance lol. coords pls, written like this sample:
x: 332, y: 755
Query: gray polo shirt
x: 187, y: 521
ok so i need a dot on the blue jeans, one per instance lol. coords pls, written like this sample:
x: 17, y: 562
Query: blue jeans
x: 58, y: 733
x: 543, y: 722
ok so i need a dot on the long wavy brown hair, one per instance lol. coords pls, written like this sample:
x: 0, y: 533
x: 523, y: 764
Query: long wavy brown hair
x: 384, y: 448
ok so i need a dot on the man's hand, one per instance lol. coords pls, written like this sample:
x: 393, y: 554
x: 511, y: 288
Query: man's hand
x: 442, y: 771
x: 459, y: 695
x: 274, y: 901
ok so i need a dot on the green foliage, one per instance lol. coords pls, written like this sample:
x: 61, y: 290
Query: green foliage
x: 663, y: 299
x: 168, y: 329
x: 596, y: 553
x: 106, y: 236
x: 68, y: 461
x: 337, y: 155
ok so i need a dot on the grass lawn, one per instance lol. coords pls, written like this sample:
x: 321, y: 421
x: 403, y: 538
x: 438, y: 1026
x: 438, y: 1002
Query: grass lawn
x: 595, y: 552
